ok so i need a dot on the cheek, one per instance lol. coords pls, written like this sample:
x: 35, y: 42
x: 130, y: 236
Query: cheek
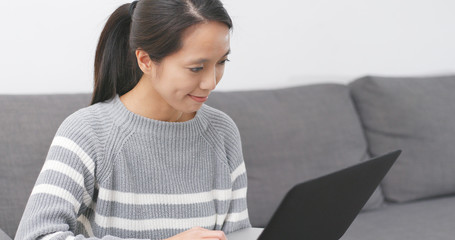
x: 176, y: 78
x: 183, y: 82
x: 219, y: 73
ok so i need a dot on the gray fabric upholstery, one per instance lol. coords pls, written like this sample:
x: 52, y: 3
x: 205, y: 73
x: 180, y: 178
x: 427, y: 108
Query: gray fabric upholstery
x: 292, y: 135
x: 4, y: 236
x: 423, y: 220
x: 416, y: 115
x: 28, y: 126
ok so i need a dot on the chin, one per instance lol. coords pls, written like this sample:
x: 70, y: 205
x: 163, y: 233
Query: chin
x: 189, y: 108
x: 193, y: 109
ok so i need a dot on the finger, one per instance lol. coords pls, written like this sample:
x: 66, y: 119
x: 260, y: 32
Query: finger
x: 218, y: 235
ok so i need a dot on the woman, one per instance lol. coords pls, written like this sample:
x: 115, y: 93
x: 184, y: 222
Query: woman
x: 147, y: 159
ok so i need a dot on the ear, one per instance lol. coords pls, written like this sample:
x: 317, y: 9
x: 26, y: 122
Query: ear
x: 144, y: 61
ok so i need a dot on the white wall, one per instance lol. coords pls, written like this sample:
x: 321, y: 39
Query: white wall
x: 49, y: 46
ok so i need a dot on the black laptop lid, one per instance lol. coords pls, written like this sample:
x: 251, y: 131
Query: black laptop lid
x: 325, y: 207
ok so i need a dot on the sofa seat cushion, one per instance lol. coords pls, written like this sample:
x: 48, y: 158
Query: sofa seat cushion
x: 292, y: 135
x: 423, y: 220
x: 416, y: 115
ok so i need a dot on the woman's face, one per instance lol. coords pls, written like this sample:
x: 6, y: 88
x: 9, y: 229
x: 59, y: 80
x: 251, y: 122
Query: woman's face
x: 195, y: 69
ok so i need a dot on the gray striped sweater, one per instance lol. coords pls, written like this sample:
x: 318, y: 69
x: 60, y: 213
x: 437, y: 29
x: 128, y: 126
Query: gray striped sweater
x: 113, y: 174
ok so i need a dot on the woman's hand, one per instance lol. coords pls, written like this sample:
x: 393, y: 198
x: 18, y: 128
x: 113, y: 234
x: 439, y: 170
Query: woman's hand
x: 197, y: 233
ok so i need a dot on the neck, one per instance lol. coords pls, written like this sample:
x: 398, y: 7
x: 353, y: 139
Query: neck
x: 145, y: 101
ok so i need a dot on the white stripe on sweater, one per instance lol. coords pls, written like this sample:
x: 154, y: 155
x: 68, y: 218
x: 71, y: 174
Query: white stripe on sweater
x: 236, y: 217
x: 71, y: 173
x: 58, y: 192
x: 232, y: 217
x: 50, y: 236
x: 86, y: 223
x: 239, y: 193
x: 167, y: 223
x: 153, y: 224
x: 169, y: 199
x: 72, y: 146
x: 238, y: 171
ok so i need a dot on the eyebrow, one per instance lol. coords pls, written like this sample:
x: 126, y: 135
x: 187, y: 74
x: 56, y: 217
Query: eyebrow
x: 203, y: 60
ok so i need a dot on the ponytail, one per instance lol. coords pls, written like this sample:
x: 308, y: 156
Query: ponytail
x: 116, y: 68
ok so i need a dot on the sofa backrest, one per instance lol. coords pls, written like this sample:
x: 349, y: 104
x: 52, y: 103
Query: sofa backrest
x: 29, y: 123
x: 292, y: 135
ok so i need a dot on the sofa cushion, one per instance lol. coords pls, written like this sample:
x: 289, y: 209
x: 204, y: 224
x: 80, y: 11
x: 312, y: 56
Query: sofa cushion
x: 292, y: 135
x: 422, y: 220
x: 416, y: 115
x: 29, y: 123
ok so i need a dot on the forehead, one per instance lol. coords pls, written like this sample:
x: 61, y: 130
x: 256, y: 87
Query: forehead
x: 208, y: 40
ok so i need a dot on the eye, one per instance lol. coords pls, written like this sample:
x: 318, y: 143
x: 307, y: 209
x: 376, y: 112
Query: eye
x: 196, y: 69
x: 224, y: 61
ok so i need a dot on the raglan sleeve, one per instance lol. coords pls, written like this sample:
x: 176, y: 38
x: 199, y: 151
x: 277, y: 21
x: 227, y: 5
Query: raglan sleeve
x: 64, y: 189
x: 237, y: 217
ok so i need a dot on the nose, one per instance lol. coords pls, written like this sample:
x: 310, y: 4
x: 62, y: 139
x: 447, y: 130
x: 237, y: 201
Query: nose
x: 209, y: 80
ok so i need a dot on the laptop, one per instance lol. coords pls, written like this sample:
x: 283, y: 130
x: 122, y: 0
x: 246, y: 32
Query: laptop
x: 325, y: 207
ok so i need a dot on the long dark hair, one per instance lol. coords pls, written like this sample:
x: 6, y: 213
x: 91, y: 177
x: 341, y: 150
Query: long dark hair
x: 155, y: 26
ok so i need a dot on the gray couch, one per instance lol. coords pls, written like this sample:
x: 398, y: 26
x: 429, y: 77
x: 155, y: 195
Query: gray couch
x: 291, y: 135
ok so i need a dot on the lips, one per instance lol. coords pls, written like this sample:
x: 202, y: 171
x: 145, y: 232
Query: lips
x: 199, y: 98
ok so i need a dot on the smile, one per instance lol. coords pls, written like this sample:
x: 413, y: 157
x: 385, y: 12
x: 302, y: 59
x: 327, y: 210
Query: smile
x: 198, y: 99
